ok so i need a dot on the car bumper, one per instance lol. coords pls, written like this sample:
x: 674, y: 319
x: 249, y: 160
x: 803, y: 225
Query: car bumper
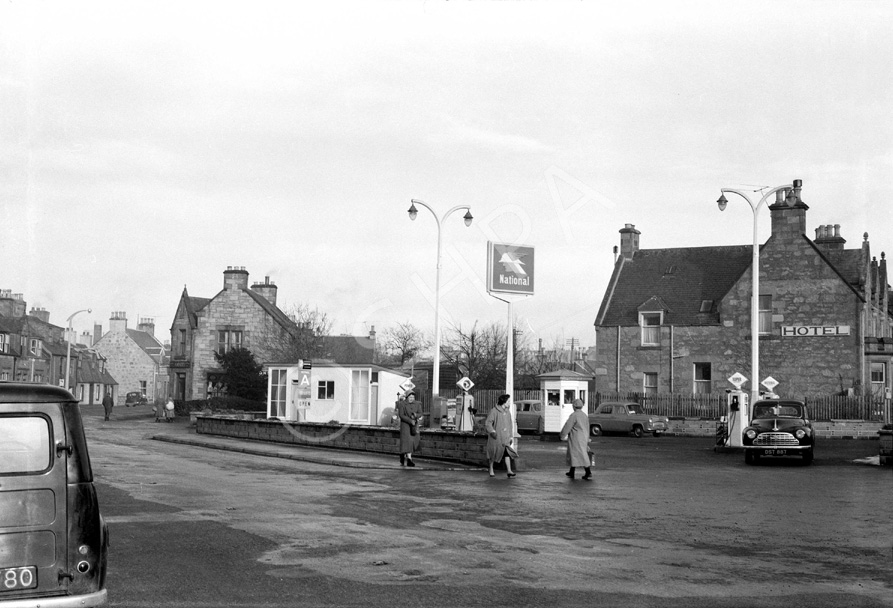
x: 781, y: 450
x: 100, y: 598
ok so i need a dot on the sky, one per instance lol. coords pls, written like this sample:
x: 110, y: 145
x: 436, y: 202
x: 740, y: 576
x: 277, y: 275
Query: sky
x: 147, y: 146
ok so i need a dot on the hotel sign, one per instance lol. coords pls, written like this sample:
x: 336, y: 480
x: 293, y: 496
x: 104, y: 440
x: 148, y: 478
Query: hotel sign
x: 815, y: 330
x: 510, y: 268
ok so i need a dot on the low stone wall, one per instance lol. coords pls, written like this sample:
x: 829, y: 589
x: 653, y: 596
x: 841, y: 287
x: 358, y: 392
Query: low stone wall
x: 441, y: 445
x: 825, y: 429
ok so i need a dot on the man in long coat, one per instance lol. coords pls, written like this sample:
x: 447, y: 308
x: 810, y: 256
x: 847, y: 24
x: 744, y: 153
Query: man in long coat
x: 107, y: 404
x: 410, y: 413
x: 576, y: 432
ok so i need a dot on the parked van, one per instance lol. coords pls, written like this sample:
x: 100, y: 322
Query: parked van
x: 53, y: 540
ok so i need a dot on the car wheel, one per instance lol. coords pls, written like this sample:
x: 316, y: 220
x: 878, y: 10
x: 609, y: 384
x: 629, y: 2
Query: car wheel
x: 595, y: 430
x: 807, y: 457
x: 638, y: 431
x: 540, y: 427
x: 749, y: 457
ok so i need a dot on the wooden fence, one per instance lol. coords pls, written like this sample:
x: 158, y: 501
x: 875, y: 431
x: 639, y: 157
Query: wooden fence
x: 711, y: 406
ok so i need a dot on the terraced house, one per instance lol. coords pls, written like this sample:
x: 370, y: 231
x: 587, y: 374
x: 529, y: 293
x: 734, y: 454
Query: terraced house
x: 677, y: 320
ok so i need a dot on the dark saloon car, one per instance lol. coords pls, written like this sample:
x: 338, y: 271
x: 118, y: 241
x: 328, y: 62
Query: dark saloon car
x: 529, y: 415
x: 626, y: 417
x: 778, y: 428
x: 135, y: 398
x: 53, y: 540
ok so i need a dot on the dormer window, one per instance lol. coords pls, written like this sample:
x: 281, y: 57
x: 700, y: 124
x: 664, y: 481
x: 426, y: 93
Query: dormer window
x: 650, y: 323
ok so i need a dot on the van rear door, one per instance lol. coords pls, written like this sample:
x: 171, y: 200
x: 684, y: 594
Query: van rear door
x: 33, y: 501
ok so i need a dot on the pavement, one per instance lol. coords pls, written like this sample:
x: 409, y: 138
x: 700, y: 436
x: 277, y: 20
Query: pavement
x: 180, y: 431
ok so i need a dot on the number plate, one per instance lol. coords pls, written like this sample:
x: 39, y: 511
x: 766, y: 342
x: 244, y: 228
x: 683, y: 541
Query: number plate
x: 24, y: 577
x: 775, y: 452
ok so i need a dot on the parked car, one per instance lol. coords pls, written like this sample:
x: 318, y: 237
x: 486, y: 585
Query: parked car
x: 529, y: 415
x: 778, y: 428
x: 135, y: 398
x: 53, y: 539
x: 626, y: 417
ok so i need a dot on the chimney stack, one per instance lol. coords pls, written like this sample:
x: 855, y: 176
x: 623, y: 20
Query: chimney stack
x: 827, y: 238
x: 118, y: 322
x: 147, y: 325
x: 40, y: 313
x: 629, y: 241
x: 789, y: 215
x: 235, y: 277
x: 267, y: 289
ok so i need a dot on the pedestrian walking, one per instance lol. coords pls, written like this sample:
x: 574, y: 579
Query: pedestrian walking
x: 500, y: 435
x: 410, y: 414
x: 107, y: 404
x: 576, y: 432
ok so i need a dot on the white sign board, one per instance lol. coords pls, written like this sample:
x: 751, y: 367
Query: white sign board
x: 737, y: 379
x: 465, y: 384
x: 407, y: 385
x: 770, y: 382
x: 815, y: 330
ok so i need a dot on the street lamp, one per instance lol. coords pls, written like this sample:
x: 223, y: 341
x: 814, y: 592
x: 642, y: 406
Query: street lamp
x: 414, y: 213
x: 780, y: 192
x: 68, y: 340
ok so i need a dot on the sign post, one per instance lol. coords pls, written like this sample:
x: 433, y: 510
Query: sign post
x: 510, y: 273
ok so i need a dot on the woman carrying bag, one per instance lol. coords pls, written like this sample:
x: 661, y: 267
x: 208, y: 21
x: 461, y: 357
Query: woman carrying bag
x: 576, y: 432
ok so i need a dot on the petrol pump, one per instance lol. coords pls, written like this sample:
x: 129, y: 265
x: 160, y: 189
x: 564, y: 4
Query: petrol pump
x: 465, y: 406
x: 737, y: 417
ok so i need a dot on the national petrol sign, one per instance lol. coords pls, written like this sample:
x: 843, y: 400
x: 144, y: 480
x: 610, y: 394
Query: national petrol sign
x: 510, y: 268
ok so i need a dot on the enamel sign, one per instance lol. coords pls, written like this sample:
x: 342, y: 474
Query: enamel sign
x: 510, y: 268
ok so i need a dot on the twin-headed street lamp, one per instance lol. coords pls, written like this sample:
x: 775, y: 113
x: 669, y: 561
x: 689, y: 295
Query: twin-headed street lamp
x: 783, y: 194
x: 68, y: 340
x: 413, y: 213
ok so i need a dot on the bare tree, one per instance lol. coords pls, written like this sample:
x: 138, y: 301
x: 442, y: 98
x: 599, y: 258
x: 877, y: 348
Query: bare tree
x: 302, y: 338
x: 404, y: 342
x: 478, y: 353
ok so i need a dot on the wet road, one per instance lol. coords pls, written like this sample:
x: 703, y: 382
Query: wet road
x: 667, y: 522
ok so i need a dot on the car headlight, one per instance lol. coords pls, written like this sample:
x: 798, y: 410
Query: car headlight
x: 751, y: 434
x: 799, y: 433
x: 650, y: 421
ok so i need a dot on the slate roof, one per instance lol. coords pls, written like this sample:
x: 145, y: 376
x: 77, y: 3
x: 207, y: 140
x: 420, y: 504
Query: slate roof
x: 280, y: 317
x: 683, y: 278
x: 146, y: 341
x: 348, y: 350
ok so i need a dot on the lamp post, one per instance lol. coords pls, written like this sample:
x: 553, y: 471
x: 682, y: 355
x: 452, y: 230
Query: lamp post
x: 779, y: 191
x: 413, y: 213
x: 68, y: 341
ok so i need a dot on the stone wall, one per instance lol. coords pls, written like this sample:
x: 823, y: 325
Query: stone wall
x: 436, y: 444
x: 447, y: 445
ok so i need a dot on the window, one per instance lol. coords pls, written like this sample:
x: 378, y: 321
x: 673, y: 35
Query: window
x: 34, y: 346
x: 143, y: 388
x: 181, y: 345
x: 878, y: 378
x: 359, y: 395
x: 227, y: 340
x: 649, y: 383
x: 4, y: 343
x: 765, y: 314
x: 24, y: 444
x: 702, y: 379
x: 650, y: 323
x: 277, y: 393
x: 325, y: 389
x: 4, y: 376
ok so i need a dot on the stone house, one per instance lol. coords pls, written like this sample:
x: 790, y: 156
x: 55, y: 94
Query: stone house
x: 240, y: 316
x: 678, y: 320
x: 31, y: 348
x: 134, y: 357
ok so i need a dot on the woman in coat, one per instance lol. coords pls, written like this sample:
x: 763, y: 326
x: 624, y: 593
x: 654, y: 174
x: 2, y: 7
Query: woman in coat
x: 576, y: 432
x: 409, y: 412
x: 500, y: 435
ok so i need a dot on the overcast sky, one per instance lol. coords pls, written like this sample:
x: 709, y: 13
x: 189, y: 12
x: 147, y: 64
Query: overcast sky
x: 146, y: 146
